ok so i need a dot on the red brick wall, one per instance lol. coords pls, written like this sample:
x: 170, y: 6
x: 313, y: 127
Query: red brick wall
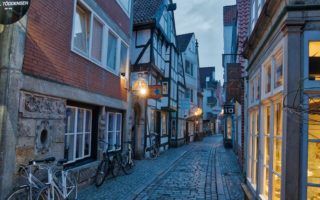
x: 48, y: 49
x: 234, y: 88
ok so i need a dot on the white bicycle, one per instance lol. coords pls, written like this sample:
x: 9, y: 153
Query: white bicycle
x: 31, y: 173
x: 61, y: 184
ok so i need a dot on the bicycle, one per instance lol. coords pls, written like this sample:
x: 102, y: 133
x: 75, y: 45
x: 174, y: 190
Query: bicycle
x: 34, y: 186
x: 127, y: 160
x: 61, y: 183
x: 106, y: 165
x: 154, y: 146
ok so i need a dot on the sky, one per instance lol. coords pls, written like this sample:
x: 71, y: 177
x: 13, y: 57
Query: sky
x: 205, y: 19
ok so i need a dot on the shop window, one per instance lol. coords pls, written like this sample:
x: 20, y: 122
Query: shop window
x: 114, y: 128
x: 81, y: 32
x: 229, y: 128
x: 278, y: 71
x: 163, y: 123
x: 112, y: 51
x: 314, y: 60
x: 78, y: 133
x: 313, y: 172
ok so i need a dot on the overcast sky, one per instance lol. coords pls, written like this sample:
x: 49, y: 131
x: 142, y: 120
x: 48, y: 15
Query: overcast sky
x: 204, y: 18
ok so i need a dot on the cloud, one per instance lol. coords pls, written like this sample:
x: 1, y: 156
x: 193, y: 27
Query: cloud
x: 204, y: 18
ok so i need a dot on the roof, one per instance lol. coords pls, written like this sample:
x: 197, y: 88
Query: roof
x: 204, y: 73
x: 183, y: 41
x: 144, y: 11
x: 243, y: 27
x: 229, y: 15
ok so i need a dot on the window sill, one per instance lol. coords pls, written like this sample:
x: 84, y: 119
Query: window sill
x: 92, y: 60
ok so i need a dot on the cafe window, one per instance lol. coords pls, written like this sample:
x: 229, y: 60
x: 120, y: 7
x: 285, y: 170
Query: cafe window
x: 277, y: 151
x: 78, y: 131
x: 313, y: 171
x: 314, y: 60
x: 123, y: 58
x: 266, y: 152
x: 253, y: 147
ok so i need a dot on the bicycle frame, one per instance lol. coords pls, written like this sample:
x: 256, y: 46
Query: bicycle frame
x: 55, y: 186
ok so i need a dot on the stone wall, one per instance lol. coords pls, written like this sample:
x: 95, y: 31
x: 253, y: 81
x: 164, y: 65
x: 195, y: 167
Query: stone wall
x: 41, y: 126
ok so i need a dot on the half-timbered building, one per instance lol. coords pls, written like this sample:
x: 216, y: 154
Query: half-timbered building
x: 154, y: 59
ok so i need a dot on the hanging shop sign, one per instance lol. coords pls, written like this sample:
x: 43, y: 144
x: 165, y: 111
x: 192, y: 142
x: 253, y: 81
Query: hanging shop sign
x: 12, y: 11
x: 155, y: 91
x: 228, y: 109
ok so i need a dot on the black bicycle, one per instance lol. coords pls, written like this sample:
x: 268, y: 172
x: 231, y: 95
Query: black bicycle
x: 108, y: 164
x: 127, y: 160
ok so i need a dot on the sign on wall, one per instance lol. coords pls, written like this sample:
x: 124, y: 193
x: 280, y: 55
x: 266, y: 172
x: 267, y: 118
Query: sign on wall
x: 12, y: 11
x: 228, y: 109
x: 155, y: 91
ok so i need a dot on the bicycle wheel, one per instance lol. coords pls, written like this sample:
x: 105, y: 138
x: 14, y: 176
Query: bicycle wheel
x: 127, y: 165
x: 21, y: 193
x: 101, y: 173
x: 116, y: 164
x: 45, y: 193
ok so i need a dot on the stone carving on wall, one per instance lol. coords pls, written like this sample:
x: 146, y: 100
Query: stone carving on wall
x: 37, y: 106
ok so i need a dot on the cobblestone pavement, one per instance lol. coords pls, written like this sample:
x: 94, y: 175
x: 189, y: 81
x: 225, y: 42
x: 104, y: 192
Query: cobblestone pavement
x: 201, y: 170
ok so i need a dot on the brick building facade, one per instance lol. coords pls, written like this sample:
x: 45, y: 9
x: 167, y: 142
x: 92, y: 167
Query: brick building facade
x: 64, y: 82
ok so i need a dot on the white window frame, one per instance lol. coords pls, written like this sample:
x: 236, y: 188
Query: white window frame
x: 271, y: 60
x: 106, y: 30
x: 115, y: 114
x: 75, y: 134
x: 128, y: 12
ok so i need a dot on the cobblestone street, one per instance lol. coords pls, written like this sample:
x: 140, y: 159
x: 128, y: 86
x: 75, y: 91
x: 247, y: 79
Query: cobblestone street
x: 201, y: 170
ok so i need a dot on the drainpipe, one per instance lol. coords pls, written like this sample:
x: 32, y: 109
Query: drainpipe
x: 12, y: 42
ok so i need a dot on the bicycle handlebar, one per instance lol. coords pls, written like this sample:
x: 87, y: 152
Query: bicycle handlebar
x: 47, y: 160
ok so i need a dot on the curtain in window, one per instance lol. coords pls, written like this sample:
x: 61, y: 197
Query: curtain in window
x: 112, y: 51
x: 81, y: 29
x: 97, y: 40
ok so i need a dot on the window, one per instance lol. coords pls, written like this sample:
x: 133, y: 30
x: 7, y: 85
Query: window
x: 267, y: 80
x: 96, y: 46
x: 251, y: 91
x: 125, y: 5
x: 314, y: 60
x: 123, y: 58
x: 313, y: 172
x: 266, y: 152
x: 81, y: 32
x: 77, y: 134
x: 114, y: 127
x: 189, y: 68
x: 253, y: 147
x: 257, y: 88
x: 277, y: 151
x: 163, y: 123
x: 253, y: 14
x: 88, y: 39
x: 278, y: 71
x: 229, y: 128
x: 191, y: 95
x: 112, y: 51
